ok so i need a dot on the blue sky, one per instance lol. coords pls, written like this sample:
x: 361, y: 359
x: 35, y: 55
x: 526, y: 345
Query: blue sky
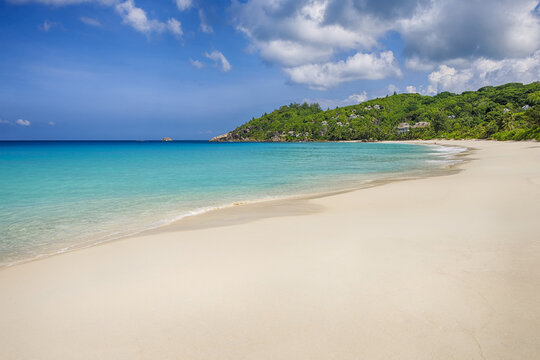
x: 139, y: 69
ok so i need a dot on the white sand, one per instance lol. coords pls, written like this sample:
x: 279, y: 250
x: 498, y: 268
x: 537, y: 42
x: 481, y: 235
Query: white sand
x: 436, y: 268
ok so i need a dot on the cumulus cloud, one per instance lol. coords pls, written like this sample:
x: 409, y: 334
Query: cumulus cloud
x: 90, y: 21
x: 284, y: 30
x: 482, y: 72
x: 411, y: 89
x: 22, y: 122
x: 312, y: 34
x: 332, y: 103
x: 289, y: 53
x: 218, y: 57
x: 358, y: 66
x: 305, y: 37
x: 449, y: 78
x: 322, y: 35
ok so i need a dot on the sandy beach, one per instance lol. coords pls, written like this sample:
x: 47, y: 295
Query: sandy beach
x: 444, y: 267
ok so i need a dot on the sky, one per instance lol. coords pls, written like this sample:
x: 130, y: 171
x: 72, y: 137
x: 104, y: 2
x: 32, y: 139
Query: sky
x: 194, y: 69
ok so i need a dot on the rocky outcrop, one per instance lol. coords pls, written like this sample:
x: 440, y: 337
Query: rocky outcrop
x: 237, y: 135
x: 223, y: 137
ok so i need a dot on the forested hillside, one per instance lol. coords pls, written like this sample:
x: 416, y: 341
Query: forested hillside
x: 506, y: 112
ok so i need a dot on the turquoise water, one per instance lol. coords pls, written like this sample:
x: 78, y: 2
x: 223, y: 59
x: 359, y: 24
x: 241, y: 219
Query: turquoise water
x: 55, y: 196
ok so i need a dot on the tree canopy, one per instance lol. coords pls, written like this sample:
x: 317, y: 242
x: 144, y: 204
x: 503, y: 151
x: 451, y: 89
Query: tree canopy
x: 505, y: 112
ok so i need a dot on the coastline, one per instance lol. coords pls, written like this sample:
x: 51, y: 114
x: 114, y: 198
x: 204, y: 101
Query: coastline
x: 437, y: 267
x: 295, y: 205
x: 206, y: 217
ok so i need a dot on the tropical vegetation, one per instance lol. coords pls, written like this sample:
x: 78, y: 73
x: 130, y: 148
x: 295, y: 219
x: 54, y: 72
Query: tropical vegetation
x: 505, y: 112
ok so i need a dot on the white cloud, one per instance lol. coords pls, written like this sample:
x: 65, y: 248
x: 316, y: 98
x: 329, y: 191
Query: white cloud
x: 358, y: 66
x: 4, y: 121
x: 51, y: 123
x: 482, y: 72
x: 456, y: 33
x: 289, y: 53
x: 411, y: 89
x: 357, y: 98
x: 90, y: 21
x: 131, y: 15
x: 22, y: 122
x: 294, y: 33
x: 304, y: 35
x: 448, y: 78
x: 196, y: 63
x: 205, y: 27
x: 332, y: 103
x: 184, y: 4
x: 218, y: 57
x: 175, y: 27
x: 136, y: 18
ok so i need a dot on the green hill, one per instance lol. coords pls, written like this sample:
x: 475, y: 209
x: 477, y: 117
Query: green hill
x: 506, y: 112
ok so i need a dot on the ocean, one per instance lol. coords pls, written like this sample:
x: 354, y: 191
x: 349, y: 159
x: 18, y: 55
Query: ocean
x: 57, y: 196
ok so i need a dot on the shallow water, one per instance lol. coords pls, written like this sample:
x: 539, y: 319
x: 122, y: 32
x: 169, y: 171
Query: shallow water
x: 59, y: 195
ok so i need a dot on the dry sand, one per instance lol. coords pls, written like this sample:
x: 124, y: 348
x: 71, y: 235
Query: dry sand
x: 437, y: 268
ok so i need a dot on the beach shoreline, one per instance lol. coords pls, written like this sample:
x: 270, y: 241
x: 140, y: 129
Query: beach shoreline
x: 291, y: 205
x: 241, y: 211
x: 433, y: 267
